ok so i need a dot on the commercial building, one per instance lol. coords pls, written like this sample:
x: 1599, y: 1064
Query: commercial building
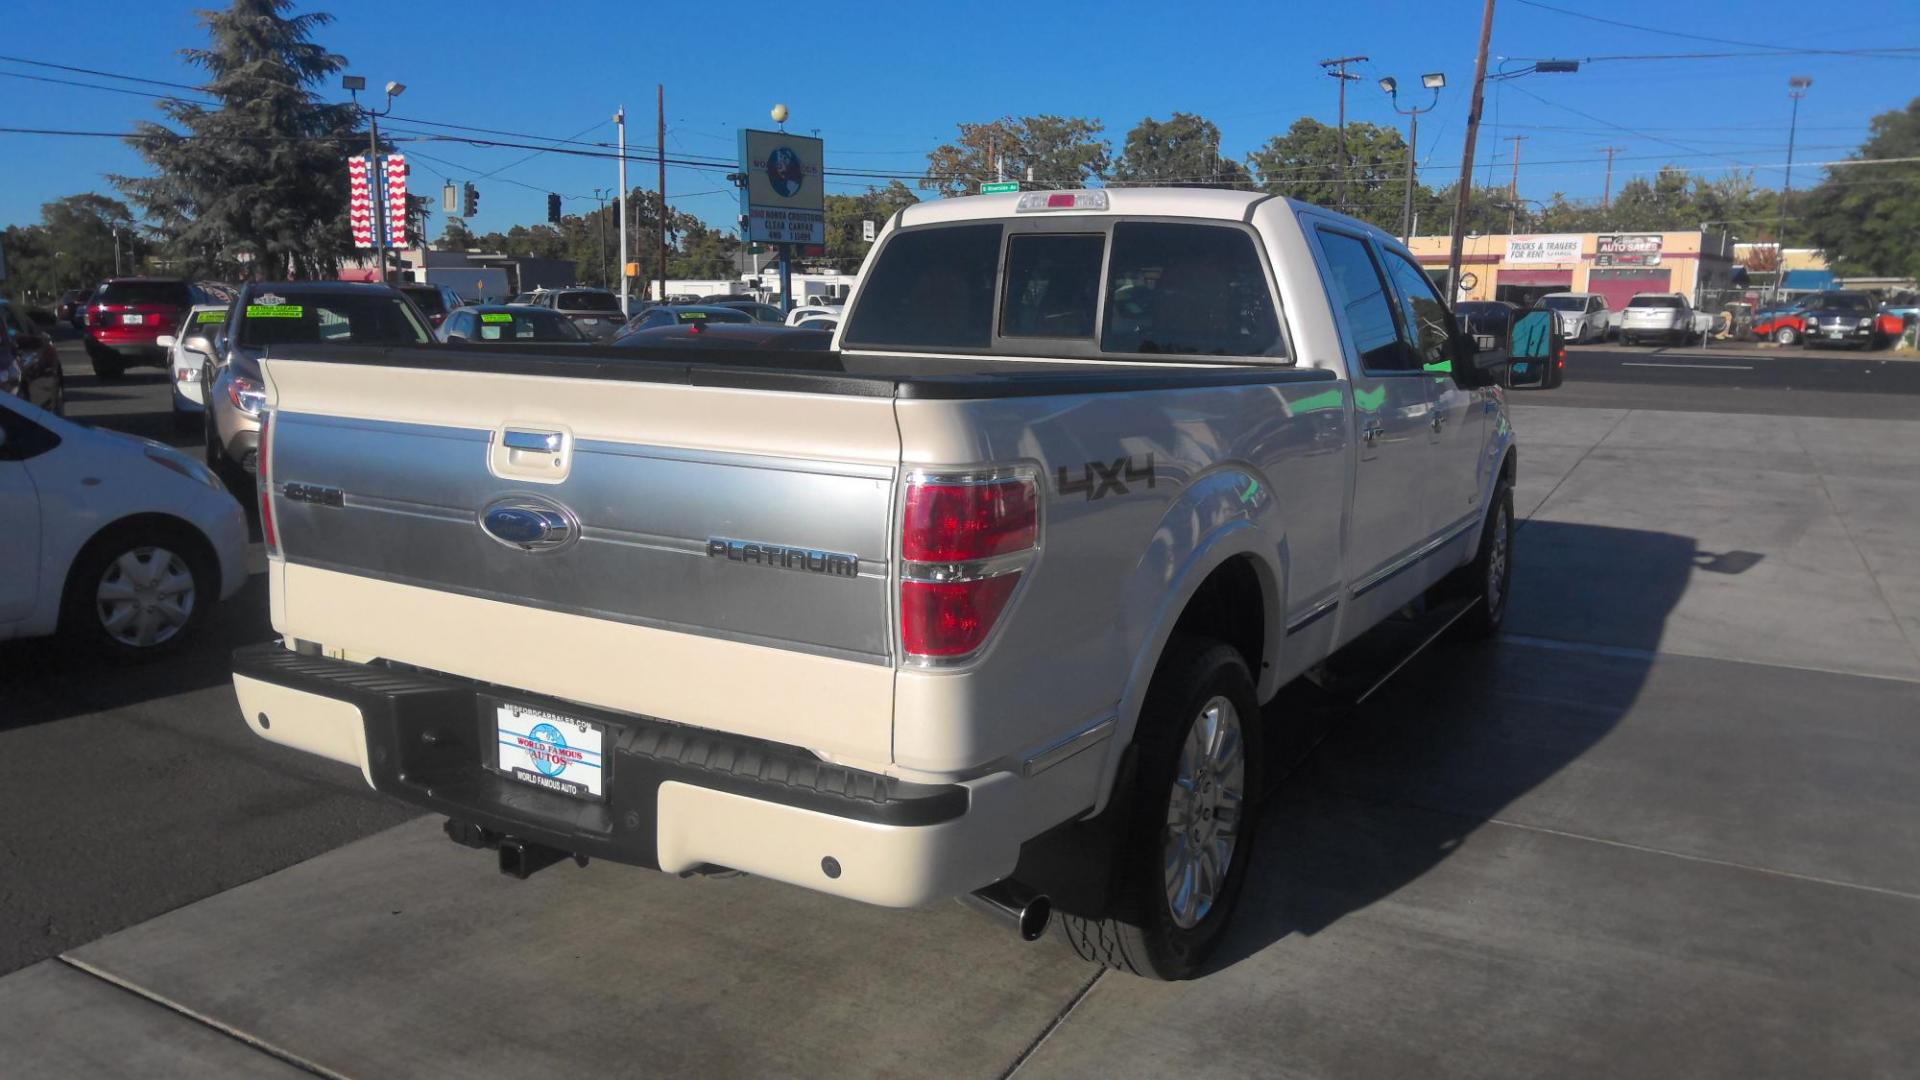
x: 1616, y: 265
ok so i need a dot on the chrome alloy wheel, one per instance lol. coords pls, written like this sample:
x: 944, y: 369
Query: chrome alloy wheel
x: 145, y: 597
x: 1203, y: 813
x: 1497, y: 562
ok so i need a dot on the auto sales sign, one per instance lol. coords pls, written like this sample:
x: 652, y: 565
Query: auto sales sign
x: 1628, y: 249
x: 783, y: 200
x: 1542, y: 249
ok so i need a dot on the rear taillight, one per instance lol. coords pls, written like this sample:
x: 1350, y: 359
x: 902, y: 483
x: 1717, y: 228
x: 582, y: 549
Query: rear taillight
x: 965, y: 540
x: 268, y: 533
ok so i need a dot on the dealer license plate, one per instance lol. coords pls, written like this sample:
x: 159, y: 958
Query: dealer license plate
x: 133, y: 320
x: 549, y: 750
x: 1836, y: 332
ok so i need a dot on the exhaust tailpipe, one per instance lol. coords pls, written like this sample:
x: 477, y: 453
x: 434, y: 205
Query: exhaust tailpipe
x: 1027, y: 910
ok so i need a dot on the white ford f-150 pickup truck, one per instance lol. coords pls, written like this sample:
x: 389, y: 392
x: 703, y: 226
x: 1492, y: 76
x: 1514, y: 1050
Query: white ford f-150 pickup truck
x: 984, y: 601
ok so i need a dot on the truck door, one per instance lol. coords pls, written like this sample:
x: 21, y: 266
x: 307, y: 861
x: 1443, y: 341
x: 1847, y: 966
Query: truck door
x: 1392, y: 399
x: 1456, y: 428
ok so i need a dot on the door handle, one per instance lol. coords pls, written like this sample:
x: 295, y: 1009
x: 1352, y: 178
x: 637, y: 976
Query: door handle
x: 545, y: 442
x: 1435, y: 419
x: 1372, y: 432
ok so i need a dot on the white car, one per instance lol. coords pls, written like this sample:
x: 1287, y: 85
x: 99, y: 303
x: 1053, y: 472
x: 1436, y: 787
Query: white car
x: 1583, y: 316
x: 816, y: 316
x: 123, y: 544
x: 187, y: 353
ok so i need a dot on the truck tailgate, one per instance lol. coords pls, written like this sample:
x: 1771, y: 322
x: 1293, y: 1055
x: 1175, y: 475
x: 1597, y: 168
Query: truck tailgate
x: 705, y: 555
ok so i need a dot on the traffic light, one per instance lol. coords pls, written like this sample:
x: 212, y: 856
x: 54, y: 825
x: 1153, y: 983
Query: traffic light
x: 473, y: 201
x: 553, y: 208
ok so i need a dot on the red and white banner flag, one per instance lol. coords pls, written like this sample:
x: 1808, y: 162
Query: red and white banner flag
x: 360, y: 203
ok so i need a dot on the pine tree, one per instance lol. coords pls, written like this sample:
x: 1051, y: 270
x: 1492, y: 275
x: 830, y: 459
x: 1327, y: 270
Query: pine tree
x: 255, y: 186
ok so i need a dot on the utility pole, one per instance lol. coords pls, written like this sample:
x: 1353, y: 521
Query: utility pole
x: 1796, y: 89
x: 1513, y: 186
x: 620, y: 119
x: 1337, y: 70
x: 660, y: 102
x: 1466, y: 154
x: 1606, y: 193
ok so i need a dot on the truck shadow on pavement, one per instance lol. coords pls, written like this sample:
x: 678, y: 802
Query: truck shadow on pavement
x: 45, y: 679
x: 1462, y: 733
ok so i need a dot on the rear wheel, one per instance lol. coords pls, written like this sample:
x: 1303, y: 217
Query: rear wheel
x: 1189, y: 828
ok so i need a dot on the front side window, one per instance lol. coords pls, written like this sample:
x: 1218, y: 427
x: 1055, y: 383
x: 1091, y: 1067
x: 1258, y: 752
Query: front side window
x: 1358, y: 290
x: 931, y: 289
x: 1190, y: 289
x: 1053, y: 285
x: 1424, y: 314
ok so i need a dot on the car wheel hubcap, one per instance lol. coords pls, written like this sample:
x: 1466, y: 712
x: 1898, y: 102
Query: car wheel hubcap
x: 145, y: 597
x: 1203, y: 813
x: 1497, y: 563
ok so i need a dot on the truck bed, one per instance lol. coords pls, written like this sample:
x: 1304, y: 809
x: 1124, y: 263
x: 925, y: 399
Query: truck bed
x: 896, y: 375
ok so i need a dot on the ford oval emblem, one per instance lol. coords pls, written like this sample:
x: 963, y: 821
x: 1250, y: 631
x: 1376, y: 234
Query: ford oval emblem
x: 529, y: 523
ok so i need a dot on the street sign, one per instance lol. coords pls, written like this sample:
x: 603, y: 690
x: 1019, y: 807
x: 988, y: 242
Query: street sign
x: 783, y: 201
x: 1005, y: 187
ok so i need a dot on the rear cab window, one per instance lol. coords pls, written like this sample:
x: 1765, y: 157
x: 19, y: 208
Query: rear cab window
x: 305, y: 318
x: 1087, y: 288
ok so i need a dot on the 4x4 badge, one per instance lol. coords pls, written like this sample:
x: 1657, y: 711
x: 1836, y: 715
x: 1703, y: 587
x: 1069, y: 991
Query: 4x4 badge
x: 1097, y: 478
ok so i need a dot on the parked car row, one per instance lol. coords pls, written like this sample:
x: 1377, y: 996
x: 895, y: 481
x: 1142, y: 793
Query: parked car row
x: 1838, y: 318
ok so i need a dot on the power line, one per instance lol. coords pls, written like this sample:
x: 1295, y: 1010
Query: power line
x: 1784, y: 50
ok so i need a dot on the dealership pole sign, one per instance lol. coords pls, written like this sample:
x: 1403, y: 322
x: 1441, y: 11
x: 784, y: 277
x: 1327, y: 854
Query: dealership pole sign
x: 1628, y: 249
x: 783, y: 200
x: 1542, y: 249
x: 361, y: 202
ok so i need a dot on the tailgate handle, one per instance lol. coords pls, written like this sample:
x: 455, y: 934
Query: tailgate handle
x: 545, y: 442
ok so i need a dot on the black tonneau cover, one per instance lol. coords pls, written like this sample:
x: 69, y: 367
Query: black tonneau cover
x: 804, y: 372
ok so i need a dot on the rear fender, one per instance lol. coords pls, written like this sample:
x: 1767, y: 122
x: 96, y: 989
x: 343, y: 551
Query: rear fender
x: 1225, y: 514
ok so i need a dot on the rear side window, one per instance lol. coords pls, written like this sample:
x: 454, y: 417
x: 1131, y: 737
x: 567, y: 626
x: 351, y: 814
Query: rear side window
x: 428, y: 298
x: 1192, y: 289
x: 145, y: 292
x: 932, y: 289
x: 1053, y: 285
x: 1359, y: 291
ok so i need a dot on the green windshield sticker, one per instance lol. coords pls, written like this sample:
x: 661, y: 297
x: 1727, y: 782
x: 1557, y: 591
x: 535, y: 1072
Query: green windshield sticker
x: 274, y: 311
x: 689, y: 316
x: 497, y: 317
x: 211, y: 316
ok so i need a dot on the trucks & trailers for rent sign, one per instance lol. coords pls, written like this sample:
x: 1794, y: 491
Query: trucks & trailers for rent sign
x: 783, y: 201
x: 1543, y: 249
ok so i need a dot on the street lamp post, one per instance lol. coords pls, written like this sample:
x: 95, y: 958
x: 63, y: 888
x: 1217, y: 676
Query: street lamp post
x: 1433, y: 81
x: 1796, y: 89
x: 353, y: 84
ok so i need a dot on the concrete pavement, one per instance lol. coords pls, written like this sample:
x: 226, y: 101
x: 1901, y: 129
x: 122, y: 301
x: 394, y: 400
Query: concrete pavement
x: 1666, y: 827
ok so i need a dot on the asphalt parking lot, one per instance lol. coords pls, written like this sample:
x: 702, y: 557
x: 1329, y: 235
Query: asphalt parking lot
x: 1667, y: 825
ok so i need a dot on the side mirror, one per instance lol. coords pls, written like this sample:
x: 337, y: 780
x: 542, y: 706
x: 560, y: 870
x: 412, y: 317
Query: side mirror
x: 165, y: 341
x: 199, y: 343
x: 1479, y: 360
x: 1537, y: 358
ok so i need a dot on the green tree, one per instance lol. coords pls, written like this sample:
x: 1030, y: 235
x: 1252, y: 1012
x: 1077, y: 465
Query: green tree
x: 73, y: 245
x: 1182, y: 151
x: 1867, y: 218
x: 1052, y: 151
x: 1305, y: 164
x: 845, y: 248
x: 257, y: 182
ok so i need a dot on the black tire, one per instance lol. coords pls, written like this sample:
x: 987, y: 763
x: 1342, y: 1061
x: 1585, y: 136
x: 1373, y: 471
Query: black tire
x: 83, y: 615
x: 1142, y: 935
x: 1489, y: 577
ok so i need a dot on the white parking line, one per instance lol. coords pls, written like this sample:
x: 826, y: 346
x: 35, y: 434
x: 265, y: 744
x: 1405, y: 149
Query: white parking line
x: 1709, y: 367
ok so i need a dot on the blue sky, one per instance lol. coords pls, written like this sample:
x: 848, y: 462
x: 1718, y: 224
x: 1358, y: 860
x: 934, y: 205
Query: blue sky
x: 885, y: 83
